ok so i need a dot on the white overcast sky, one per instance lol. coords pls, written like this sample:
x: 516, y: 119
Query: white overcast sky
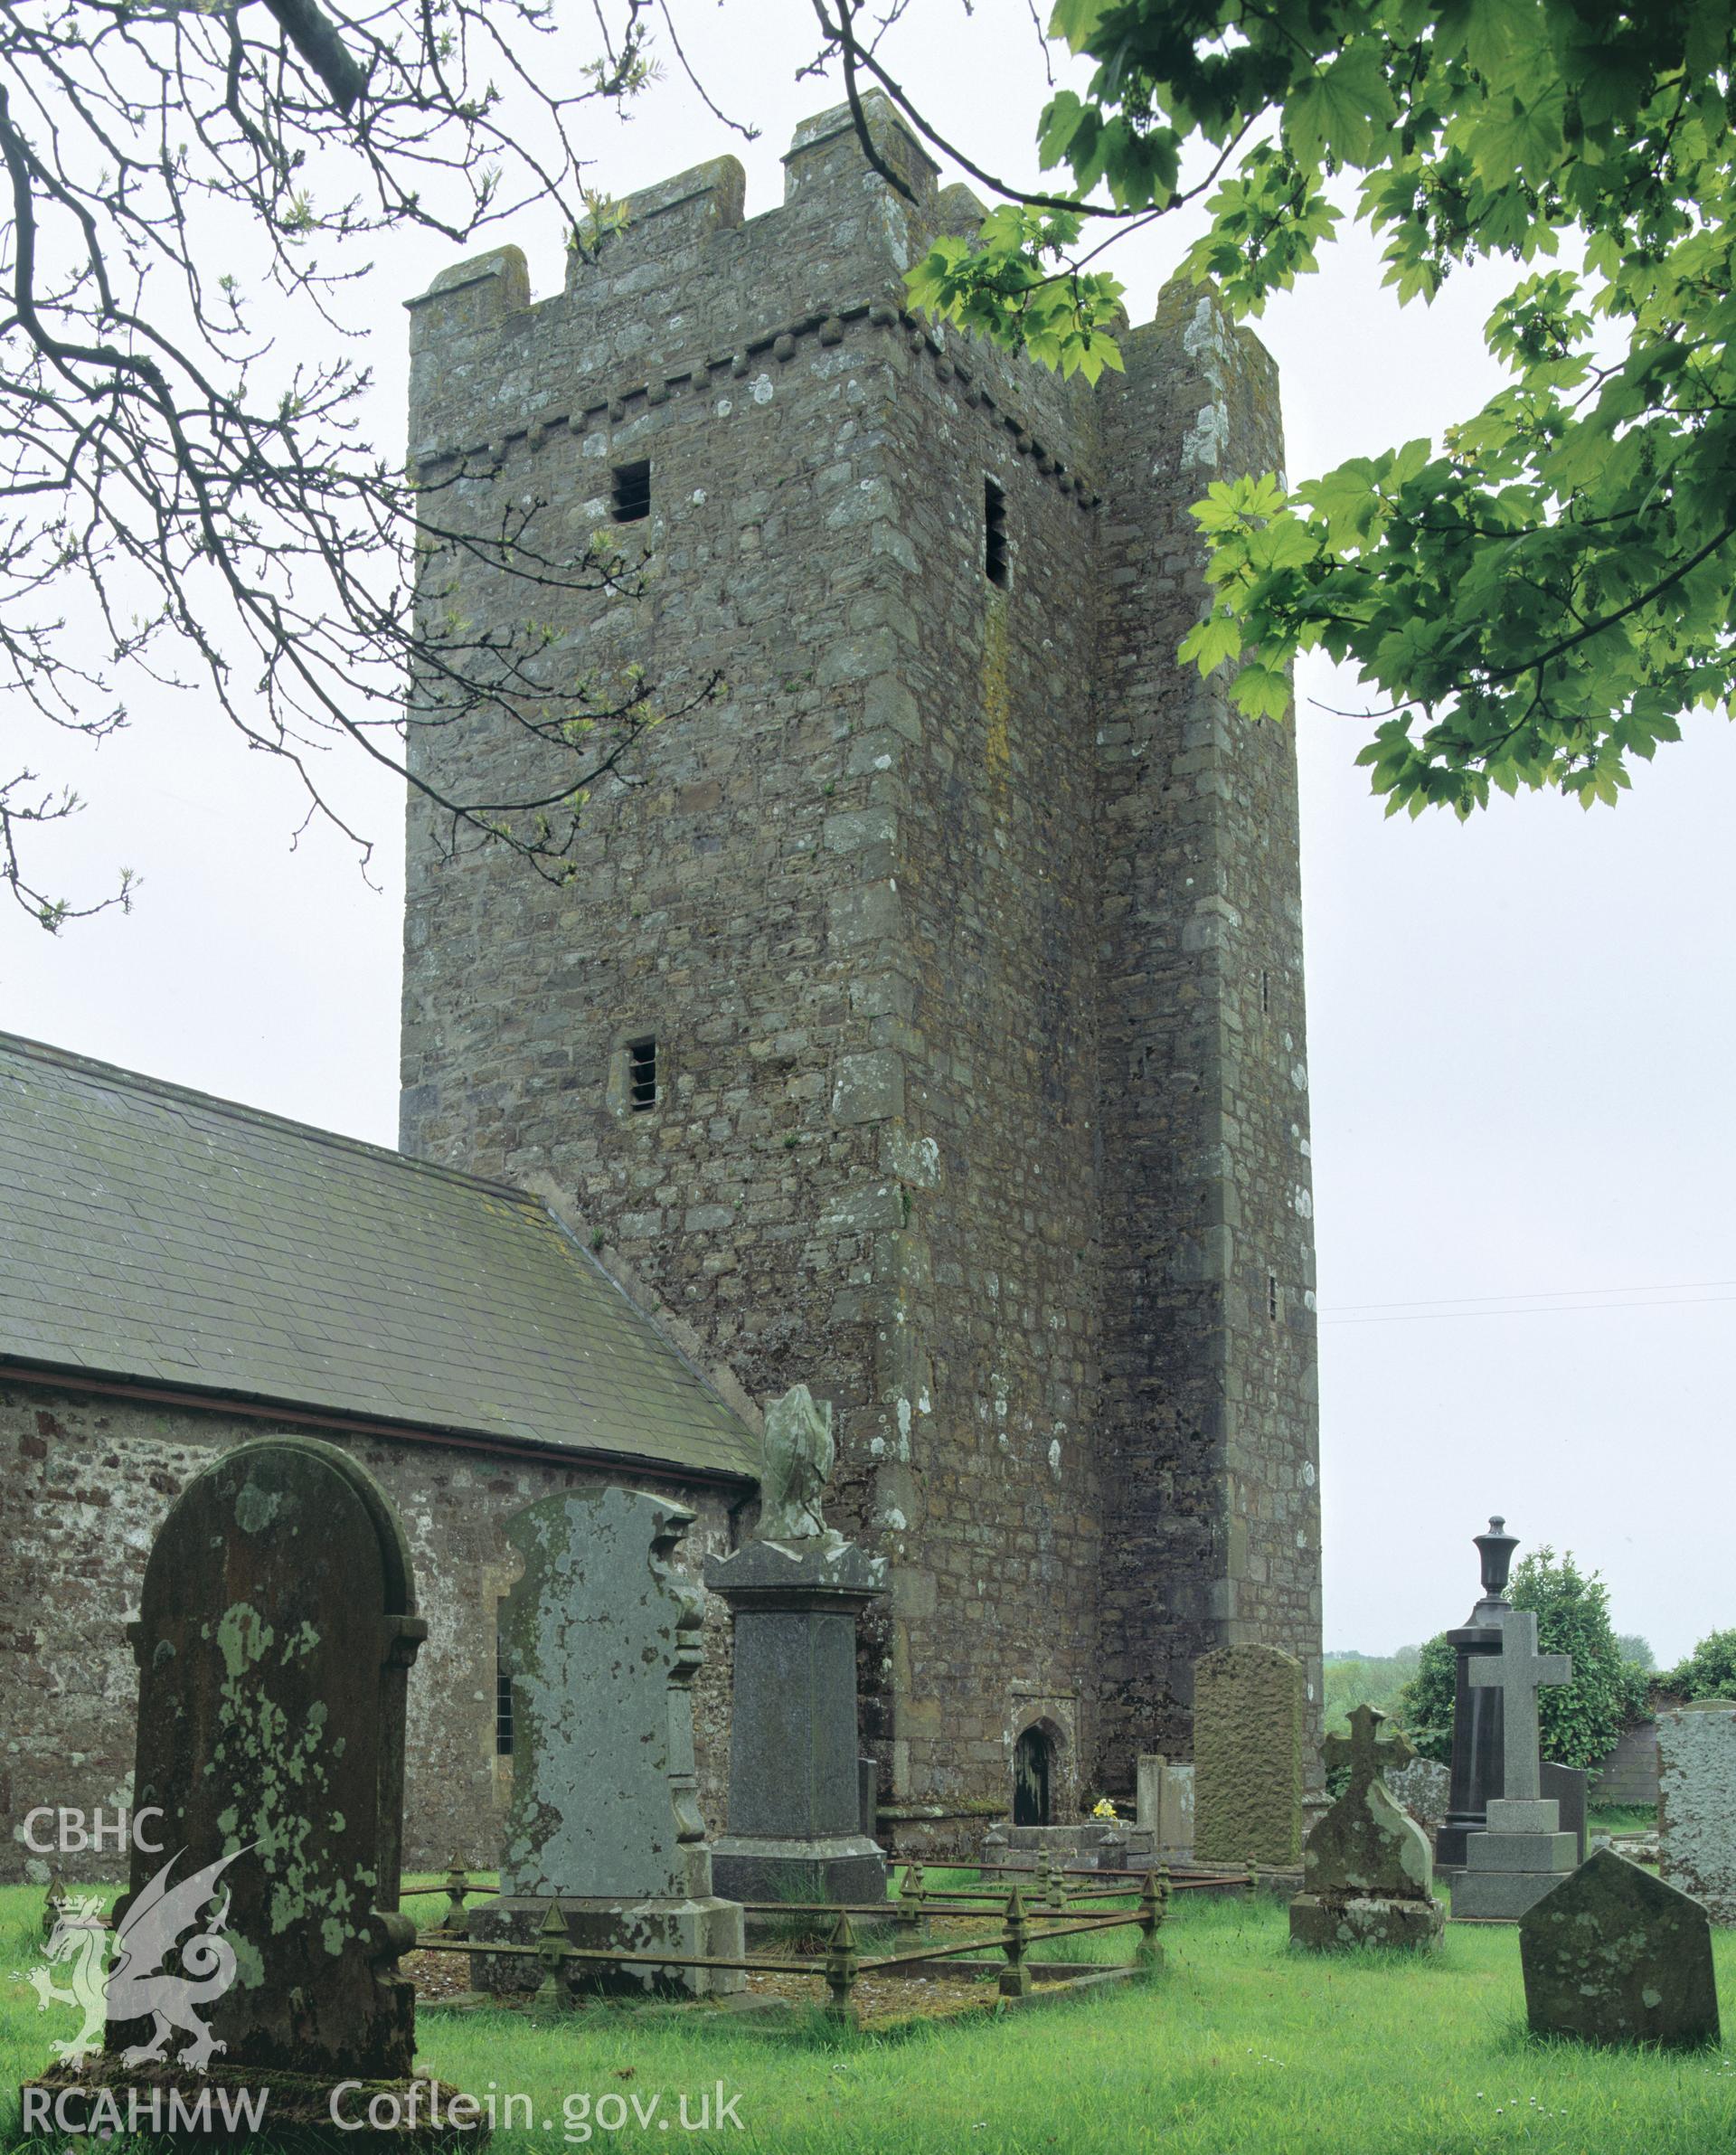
x: 1521, y: 1030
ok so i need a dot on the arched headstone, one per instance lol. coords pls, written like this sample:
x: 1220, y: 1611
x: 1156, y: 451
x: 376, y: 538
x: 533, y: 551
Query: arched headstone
x: 276, y: 1625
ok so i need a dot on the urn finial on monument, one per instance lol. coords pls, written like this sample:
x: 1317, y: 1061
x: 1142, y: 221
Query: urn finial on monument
x: 794, y: 1592
x: 1495, y: 1548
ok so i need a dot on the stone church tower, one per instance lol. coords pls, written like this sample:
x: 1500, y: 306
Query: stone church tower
x: 924, y: 1019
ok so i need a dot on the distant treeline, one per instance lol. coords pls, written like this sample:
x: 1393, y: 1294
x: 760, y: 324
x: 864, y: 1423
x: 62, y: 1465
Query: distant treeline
x: 1374, y: 1679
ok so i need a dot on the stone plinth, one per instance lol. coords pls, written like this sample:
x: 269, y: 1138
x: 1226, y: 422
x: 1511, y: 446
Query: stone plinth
x: 1521, y: 1855
x: 601, y: 1636
x: 795, y: 1817
x: 1696, y: 1803
x: 1614, y: 1955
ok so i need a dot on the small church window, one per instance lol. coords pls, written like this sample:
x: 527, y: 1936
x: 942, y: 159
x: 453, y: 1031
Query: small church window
x: 632, y: 502
x: 503, y: 1704
x: 641, y: 1075
x: 994, y: 554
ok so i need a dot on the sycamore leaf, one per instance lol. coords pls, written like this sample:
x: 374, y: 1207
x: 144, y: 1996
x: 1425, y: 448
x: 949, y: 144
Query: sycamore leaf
x: 1341, y: 111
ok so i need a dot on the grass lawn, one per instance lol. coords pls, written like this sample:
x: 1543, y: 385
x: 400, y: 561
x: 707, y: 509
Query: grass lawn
x: 1237, y: 2048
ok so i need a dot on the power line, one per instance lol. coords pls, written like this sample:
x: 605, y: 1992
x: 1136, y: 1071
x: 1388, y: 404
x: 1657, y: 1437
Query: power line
x: 1535, y: 1294
x: 1421, y: 1316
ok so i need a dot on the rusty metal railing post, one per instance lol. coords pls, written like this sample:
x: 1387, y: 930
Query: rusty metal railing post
x: 1015, y: 1941
x: 842, y: 1970
x: 551, y: 1942
x: 1052, y: 1884
x: 1152, y: 1898
x: 458, y: 1883
x: 911, y: 1908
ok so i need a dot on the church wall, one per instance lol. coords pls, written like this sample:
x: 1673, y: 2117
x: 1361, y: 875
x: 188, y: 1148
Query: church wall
x: 88, y: 1482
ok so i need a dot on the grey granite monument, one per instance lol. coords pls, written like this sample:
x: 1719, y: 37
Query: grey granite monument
x: 1568, y: 1786
x: 601, y: 1636
x: 1368, y: 1876
x: 795, y: 1825
x: 1614, y: 1955
x: 1521, y: 1851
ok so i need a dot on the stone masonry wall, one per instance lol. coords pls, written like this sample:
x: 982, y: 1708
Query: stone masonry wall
x: 1210, y: 1401
x: 906, y: 914
x: 88, y: 1483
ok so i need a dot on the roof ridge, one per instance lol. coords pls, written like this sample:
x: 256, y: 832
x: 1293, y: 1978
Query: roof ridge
x: 137, y: 1080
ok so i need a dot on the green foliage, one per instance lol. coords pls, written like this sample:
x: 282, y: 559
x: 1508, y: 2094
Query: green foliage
x: 1579, y: 1720
x: 1541, y: 597
x: 1708, y: 1671
x: 1425, y: 1706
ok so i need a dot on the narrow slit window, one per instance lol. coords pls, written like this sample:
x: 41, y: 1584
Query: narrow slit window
x: 1271, y: 1296
x: 995, y: 556
x: 503, y: 1704
x: 632, y: 501
x: 1265, y: 990
x: 641, y: 1075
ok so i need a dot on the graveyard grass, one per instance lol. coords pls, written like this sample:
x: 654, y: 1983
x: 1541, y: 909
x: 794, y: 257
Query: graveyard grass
x: 1238, y: 2047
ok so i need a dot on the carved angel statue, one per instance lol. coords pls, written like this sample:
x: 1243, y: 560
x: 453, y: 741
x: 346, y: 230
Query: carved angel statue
x: 797, y: 1454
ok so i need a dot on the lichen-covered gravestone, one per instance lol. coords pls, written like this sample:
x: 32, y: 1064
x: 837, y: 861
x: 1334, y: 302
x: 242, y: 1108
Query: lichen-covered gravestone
x: 1614, y: 1955
x: 601, y: 1636
x: 1368, y: 1871
x: 1696, y: 1803
x: 1421, y: 1786
x: 1248, y: 1734
x: 277, y: 1624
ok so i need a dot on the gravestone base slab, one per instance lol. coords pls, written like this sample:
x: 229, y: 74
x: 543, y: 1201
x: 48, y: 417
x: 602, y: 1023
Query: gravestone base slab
x: 694, y: 1928
x: 1494, y: 1896
x: 845, y: 1867
x: 1324, y: 1923
x: 105, y: 2097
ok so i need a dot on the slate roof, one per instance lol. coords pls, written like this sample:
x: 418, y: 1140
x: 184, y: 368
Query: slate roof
x: 157, y: 1236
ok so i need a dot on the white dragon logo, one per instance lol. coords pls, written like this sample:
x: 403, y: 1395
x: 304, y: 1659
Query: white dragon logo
x: 137, y: 1987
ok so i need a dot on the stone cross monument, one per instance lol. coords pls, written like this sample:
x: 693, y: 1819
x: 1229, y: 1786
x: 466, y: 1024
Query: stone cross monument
x: 1522, y: 1852
x: 794, y: 1592
x: 1367, y: 1872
